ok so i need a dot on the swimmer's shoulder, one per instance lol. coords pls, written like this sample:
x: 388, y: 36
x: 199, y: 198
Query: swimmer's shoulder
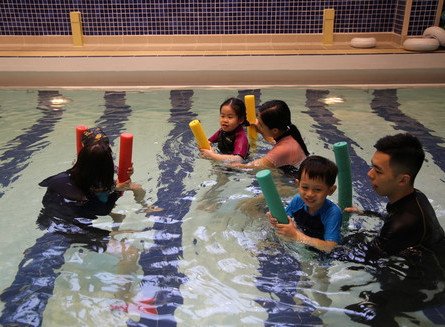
x: 62, y: 184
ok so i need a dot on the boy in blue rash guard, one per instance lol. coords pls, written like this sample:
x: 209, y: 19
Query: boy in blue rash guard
x: 313, y: 219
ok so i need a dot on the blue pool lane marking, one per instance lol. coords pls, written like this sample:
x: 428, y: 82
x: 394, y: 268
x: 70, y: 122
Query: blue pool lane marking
x: 279, y: 273
x: 385, y: 104
x: 162, y: 278
x: 26, y: 299
x: 280, y: 276
x: 115, y: 115
x: 326, y: 127
x: 15, y: 160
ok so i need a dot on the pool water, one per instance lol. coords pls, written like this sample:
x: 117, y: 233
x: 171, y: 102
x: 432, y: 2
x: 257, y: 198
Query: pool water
x: 197, y: 250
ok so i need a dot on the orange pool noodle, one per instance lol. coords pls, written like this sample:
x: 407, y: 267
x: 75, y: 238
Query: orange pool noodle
x: 79, y: 132
x: 249, y: 101
x: 125, y: 154
x: 200, y: 136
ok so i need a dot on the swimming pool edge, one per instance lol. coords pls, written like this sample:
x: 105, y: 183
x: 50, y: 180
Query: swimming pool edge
x: 152, y: 72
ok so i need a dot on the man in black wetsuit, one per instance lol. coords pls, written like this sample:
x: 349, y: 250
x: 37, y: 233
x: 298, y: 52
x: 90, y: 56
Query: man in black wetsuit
x: 410, y: 231
x: 411, y: 223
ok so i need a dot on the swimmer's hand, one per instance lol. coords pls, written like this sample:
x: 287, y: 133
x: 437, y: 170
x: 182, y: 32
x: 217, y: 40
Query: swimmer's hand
x: 268, y: 139
x: 207, y: 153
x: 355, y: 210
x: 271, y: 218
x: 288, y: 230
x: 125, y: 186
x: 274, y: 222
x: 130, y: 170
x: 138, y: 192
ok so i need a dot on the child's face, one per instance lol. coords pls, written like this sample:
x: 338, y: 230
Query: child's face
x: 228, y: 119
x: 313, y: 192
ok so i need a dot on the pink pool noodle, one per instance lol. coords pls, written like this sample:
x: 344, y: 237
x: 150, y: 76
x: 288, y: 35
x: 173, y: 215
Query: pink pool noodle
x: 79, y: 133
x: 125, y: 154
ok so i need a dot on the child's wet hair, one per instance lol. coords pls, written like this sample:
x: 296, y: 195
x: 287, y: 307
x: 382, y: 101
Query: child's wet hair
x: 317, y: 167
x: 94, y: 167
x: 238, y: 106
x: 276, y: 114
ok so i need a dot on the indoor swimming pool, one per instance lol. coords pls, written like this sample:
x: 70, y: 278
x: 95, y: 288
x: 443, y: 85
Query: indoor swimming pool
x: 197, y: 250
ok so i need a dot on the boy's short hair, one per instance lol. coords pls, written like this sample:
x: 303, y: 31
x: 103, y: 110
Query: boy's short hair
x: 317, y: 167
x: 405, y: 152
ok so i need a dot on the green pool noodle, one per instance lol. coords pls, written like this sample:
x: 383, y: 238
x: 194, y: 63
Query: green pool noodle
x: 344, y: 174
x: 270, y: 192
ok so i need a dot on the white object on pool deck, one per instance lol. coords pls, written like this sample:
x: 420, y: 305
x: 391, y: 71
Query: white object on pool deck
x: 421, y: 44
x: 436, y: 32
x: 363, y: 42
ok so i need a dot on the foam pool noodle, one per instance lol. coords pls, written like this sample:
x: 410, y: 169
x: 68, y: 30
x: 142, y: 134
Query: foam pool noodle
x: 249, y: 101
x: 200, y: 136
x: 125, y: 155
x: 271, y: 195
x: 344, y: 174
x: 80, y: 129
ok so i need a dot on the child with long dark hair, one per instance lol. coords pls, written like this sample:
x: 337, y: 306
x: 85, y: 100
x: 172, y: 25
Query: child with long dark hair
x: 72, y: 201
x: 289, y: 150
x: 89, y: 185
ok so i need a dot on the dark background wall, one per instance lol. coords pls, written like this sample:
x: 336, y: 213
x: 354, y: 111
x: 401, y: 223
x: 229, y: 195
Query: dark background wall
x: 167, y: 17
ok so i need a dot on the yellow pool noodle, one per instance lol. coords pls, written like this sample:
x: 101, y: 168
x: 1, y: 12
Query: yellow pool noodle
x: 200, y: 136
x: 249, y: 101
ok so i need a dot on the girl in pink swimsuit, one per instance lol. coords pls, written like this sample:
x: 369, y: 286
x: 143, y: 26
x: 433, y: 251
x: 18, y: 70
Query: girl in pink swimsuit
x: 289, y: 150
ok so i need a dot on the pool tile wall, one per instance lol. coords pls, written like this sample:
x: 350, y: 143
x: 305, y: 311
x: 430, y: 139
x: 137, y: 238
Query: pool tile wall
x: 399, y: 16
x: 422, y: 14
x: 201, y: 17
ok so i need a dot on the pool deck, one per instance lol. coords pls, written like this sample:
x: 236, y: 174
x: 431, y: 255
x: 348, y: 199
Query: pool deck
x: 139, y: 66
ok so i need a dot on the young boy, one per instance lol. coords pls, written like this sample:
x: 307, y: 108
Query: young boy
x: 313, y: 219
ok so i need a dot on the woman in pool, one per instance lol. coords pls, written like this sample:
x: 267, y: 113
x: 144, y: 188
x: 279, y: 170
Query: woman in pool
x: 289, y: 150
x: 73, y: 199
x: 232, y: 140
x: 89, y: 186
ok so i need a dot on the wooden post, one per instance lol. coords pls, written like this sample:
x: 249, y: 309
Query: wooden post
x: 76, y: 28
x: 328, y: 26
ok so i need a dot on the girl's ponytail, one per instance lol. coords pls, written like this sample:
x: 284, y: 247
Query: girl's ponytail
x: 276, y: 114
x: 295, y: 133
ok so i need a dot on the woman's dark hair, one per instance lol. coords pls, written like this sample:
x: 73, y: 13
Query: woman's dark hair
x: 94, y: 168
x: 276, y: 114
x: 238, y: 106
